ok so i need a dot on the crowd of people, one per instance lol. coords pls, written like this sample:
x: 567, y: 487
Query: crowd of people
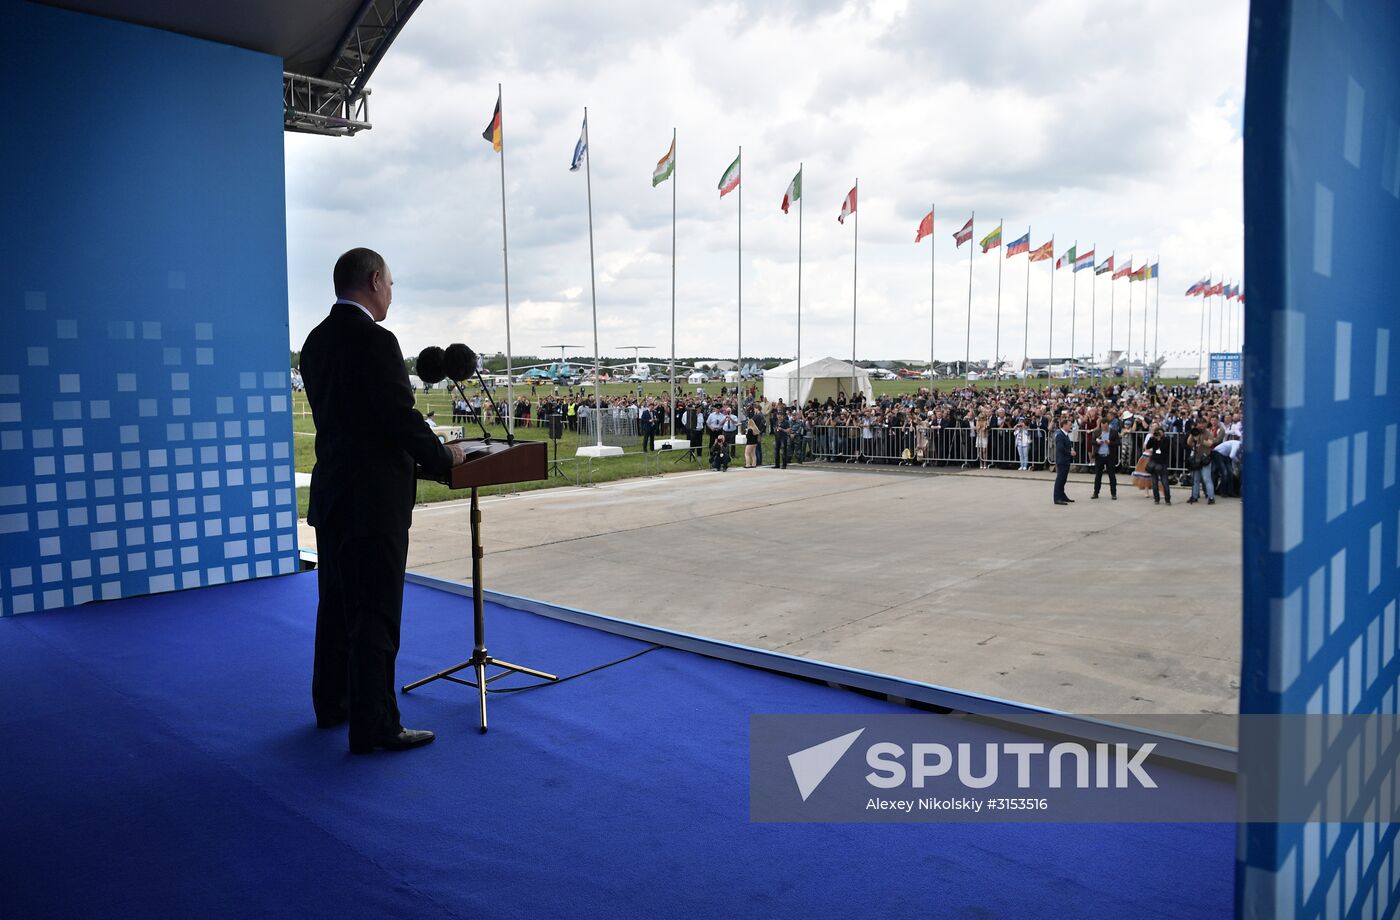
x: 1195, y: 432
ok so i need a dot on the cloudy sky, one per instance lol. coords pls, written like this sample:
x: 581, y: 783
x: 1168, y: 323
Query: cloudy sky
x: 1116, y: 125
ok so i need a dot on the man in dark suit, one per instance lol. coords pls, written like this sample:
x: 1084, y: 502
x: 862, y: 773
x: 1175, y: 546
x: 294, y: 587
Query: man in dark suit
x: 646, y: 423
x: 368, y: 437
x: 1062, y: 461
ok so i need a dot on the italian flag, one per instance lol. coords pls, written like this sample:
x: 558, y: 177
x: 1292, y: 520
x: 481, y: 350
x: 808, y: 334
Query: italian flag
x: 730, y: 180
x: 665, y: 167
x: 794, y: 191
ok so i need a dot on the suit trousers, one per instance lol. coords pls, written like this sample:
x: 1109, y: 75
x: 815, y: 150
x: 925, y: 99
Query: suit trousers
x: 1061, y: 477
x: 1103, y: 465
x: 360, y: 582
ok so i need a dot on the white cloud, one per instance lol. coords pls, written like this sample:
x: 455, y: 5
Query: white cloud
x: 1117, y: 130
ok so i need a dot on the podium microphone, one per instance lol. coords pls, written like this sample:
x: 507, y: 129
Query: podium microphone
x: 431, y: 365
x: 435, y: 365
x: 461, y: 360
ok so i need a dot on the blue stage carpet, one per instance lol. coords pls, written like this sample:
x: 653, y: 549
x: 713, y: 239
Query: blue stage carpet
x: 161, y: 760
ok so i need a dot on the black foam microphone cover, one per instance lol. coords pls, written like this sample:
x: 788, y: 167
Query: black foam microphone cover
x: 430, y: 365
x: 459, y: 362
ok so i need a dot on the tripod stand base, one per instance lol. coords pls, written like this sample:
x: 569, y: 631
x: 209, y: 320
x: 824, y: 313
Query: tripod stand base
x: 479, y: 662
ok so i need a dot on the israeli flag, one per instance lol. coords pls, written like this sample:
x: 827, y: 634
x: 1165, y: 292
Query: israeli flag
x: 581, y: 147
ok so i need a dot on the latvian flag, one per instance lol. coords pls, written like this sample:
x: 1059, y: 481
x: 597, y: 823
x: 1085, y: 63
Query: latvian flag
x: 1044, y: 252
x: 1018, y: 246
x: 1067, y: 258
x: 1199, y: 288
x: 925, y: 227
x: 1105, y: 267
x: 1123, y: 271
x: 965, y: 234
x: 848, y: 206
x: 991, y: 240
x: 794, y: 191
x: 1084, y: 261
x: 730, y: 180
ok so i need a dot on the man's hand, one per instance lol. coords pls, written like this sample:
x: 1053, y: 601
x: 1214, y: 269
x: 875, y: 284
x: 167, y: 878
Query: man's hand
x: 458, y: 449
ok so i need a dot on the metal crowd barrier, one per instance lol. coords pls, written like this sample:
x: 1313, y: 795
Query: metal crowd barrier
x: 958, y: 447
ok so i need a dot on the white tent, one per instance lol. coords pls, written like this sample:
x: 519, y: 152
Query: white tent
x: 820, y: 378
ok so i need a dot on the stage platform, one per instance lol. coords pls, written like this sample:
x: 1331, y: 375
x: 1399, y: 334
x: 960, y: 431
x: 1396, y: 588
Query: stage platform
x: 161, y: 760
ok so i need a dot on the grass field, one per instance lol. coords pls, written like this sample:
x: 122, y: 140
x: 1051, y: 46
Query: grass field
x: 569, y: 470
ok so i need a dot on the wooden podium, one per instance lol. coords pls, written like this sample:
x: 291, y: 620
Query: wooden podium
x: 487, y: 463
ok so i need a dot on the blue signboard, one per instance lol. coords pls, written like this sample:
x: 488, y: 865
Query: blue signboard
x: 1227, y: 367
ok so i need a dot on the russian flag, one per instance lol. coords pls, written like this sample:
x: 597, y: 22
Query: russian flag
x: 1198, y: 288
x: 1019, y: 246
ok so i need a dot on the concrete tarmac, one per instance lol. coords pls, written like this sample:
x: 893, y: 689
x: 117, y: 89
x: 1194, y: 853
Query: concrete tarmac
x: 972, y: 580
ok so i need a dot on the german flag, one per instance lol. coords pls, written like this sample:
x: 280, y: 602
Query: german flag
x: 493, y: 130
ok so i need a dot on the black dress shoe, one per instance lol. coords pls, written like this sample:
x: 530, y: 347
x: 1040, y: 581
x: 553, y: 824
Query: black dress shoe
x: 1060, y: 502
x: 1069, y: 501
x: 329, y: 721
x: 405, y: 739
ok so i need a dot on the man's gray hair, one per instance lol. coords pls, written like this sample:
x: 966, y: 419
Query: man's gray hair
x: 354, y: 268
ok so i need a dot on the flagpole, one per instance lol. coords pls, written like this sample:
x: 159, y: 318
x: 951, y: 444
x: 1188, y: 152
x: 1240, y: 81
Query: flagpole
x: 1112, y: 257
x: 739, y: 377
x: 1128, y: 362
x: 1201, y: 347
x: 798, y: 399
x: 1073, y: 303
x: 1157, y: 314
x: 593, y: 283
x: 967, y: 358
x: 1093, y: 304
x: 1144, y: 325
x: 855, y: 268
x: 932, y: 269
x: 505, y: 265
x: 673, y: 284
x: 1050, y: 357
x: 996, y: 349
x: 1026, y: 335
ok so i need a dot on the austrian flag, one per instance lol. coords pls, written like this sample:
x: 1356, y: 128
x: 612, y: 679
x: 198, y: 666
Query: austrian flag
x: 848, y: 207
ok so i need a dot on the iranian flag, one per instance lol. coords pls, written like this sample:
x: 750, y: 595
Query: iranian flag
x: 730, y: 180
x: 794, y: 191
x: 848, y: 206
x: 665, y: 167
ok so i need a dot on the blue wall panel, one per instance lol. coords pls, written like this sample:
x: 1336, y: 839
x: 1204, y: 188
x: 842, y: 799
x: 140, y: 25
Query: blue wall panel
x: 145, y: 426
x: 1322, y: 567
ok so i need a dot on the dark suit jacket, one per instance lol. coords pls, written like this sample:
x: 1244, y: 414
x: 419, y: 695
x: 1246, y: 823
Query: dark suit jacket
x: 1062, y: 446
x: 368, y: 435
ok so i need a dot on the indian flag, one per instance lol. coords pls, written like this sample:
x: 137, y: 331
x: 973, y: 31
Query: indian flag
x: 730, y: 180
x: 794, y: 191
x: 665, y: 167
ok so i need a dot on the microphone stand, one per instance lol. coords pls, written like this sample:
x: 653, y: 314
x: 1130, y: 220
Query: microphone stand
x: 510, y: 435
x: 485, y: 435
x: 481, y: 659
